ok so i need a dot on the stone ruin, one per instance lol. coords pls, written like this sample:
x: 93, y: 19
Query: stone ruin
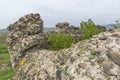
x: 68, y: 29
x: 103, y: 28
x: 65, y: 28
x: 24, y: 35
x: 97, y: 58
x: 27, y: 34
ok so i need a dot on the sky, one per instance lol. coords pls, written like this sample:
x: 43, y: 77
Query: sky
x: 53, y: 11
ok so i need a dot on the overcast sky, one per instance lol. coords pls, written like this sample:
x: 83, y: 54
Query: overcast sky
x: 54, y: 11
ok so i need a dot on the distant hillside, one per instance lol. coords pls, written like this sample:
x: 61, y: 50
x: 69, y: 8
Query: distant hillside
x: 45, y: 29
x: 109, y: 26
x: 3, y: 30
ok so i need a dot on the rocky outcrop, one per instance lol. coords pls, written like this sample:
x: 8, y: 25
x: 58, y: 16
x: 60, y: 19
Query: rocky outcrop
x: 68, y: 29
x: 93, y: 59
x: 102, y: 28
x: 86, y: 60
x: 27, y: 33
x: 24, y: 35
x: 65, y: 28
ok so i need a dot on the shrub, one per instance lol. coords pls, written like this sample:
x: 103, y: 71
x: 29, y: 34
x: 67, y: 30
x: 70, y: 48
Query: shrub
x: 88, y: 29
x: 59, y: 41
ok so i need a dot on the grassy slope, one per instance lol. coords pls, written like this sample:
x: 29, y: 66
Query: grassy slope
x: 4, y: 58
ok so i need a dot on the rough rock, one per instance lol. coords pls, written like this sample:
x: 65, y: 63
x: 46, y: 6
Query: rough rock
x: 62, y: 27
x: 68, y: 29
x: 103, y: 28
x: 92, y: 59
x: 75, y: 63
x: 107, y: 65
x: 23, y: 35
x: 100, y: 60
x: 115, y: 57
x: 102, y: 37
x: 65, y: 28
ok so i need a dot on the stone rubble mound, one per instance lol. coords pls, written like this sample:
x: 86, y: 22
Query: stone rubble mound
x: 95, y: 59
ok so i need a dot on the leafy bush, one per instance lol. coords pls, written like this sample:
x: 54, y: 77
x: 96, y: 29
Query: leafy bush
x: 59, y: 41
x: 88, y: 29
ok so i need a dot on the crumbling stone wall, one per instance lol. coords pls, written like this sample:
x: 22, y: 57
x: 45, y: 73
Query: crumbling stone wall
x: 97, y: 58
x: 27, y: 34
x: 66, y: 28
x: 75, y: 32
x: 23, y: 35
x: 103, y: 28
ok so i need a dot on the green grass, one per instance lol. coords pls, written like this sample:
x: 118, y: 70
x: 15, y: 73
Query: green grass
x: 6, y: 74
x: 3, y: 36
x: 5, y: 58
x: 3, y: 48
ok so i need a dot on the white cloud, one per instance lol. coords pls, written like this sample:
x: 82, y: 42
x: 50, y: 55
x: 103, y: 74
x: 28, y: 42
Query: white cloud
x: 53, y: 11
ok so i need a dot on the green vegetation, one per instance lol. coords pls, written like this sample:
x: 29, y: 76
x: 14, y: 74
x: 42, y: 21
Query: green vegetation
x: 3, y: 45
x: 59, y: 41
x: 55, y: 41
x: 6, y: 74
x: 3, y: 48
x: 88, y: 29
x: 4, y: 58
